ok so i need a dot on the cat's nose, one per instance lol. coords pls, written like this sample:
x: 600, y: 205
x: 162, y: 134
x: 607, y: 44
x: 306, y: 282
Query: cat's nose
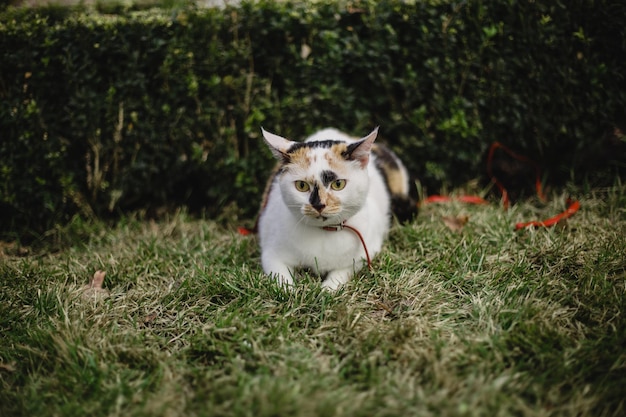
x: 319, y: 207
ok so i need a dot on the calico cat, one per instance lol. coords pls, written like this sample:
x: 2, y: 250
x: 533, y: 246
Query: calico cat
x: 328, y: 205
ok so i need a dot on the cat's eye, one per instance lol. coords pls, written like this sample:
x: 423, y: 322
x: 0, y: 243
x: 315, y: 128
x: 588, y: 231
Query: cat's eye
x: 338, y: 185
x: 302, y: 186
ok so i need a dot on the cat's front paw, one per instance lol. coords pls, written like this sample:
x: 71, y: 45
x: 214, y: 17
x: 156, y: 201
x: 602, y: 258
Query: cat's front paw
x: 278, y: 271
x: 331, y: 285
x: 285, y: 282
x: 336, y: 279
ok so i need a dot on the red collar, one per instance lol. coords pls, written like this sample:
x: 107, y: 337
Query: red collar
x: 334, y: 227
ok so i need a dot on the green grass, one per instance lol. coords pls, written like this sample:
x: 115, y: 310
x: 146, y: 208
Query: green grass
x: 487, y: 322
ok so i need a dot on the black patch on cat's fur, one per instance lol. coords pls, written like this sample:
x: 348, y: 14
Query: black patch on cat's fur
x: 315, y: 144
x: 314, y: 199
x: 347, y: 154
x: 328, y: 177
x: 404, y: 208
x: 384, y: 157
x: 285, y: 157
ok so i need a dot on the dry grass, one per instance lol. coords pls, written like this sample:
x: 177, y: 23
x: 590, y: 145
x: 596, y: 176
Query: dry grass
x: 484, y: 321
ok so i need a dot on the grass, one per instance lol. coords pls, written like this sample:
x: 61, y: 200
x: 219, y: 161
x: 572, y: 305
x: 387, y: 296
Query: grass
x: 481, y: 322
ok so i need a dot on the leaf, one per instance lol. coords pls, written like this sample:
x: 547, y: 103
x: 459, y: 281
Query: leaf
x: 455, y: 224
x: 8, y: 367
x: 94, y: 289
x: 149, y: 318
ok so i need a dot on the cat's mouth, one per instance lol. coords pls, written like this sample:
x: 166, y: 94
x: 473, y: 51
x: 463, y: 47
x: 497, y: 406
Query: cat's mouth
x: 320, y: 219
x: 323, y: 221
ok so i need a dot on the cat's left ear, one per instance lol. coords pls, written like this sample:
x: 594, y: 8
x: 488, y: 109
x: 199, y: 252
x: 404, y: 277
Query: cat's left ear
x: 277, y: 144
x: 360, y: 150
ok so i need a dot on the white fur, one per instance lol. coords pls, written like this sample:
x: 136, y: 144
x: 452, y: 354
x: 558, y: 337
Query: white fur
x: 291, y: 239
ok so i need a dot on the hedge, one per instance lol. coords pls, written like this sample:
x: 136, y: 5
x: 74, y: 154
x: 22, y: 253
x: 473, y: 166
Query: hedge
x: 105, y: 113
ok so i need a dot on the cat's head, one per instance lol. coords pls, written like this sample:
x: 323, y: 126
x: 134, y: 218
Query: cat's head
x: 323, y: 182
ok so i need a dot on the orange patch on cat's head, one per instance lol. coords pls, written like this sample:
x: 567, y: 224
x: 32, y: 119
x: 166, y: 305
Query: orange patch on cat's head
x: 336, y: 160
x: 333, y: 204
x: 300, y: 157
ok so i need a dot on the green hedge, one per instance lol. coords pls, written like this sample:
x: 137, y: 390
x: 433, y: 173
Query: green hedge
x: 100, y: 114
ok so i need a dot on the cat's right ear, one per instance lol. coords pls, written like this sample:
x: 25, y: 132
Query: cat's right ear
x: 277, y: 144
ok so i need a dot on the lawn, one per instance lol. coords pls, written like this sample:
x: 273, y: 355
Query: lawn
x: 478, y: 321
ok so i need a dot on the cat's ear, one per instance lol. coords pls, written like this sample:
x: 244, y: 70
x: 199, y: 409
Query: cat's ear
x: 277, y: 144
x: 360, y: 150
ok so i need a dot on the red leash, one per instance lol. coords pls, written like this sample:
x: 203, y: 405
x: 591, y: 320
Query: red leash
x: 571, y: 210
x: 521, y: 158
x: 244, y: 231
x: 343, y: 225
x: 573, y: 206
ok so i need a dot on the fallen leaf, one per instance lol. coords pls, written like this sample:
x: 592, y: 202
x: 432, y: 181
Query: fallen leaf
x: 94, y: 288
x: 98, y: 279
x: 455, y: 223
x: 9, y: 249
x: 9, y: 367
x: 149, y: 318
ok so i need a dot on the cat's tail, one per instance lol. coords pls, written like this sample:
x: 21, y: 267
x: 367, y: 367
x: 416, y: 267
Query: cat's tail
x: 404, y: 208
x: 397, y: 180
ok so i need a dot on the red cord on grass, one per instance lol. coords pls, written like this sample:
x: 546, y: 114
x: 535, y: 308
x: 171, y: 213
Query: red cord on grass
x: 521, y: 158
x: 243, y: 231
x: 574, y: 206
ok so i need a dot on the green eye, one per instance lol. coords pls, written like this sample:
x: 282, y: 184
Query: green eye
x: 338, y: 185
x: 302, y: 186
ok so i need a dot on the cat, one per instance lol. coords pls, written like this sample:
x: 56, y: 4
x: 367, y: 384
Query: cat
x: 328, y: 205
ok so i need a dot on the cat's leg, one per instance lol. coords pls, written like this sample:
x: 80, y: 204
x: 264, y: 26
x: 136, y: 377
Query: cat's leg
x: 278, y: 270
x: 337, y: 278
